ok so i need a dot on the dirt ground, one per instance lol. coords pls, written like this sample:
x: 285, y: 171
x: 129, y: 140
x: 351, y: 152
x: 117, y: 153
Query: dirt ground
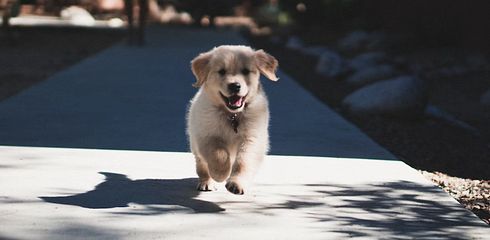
x: 451, y: 157
x: 30, y: 55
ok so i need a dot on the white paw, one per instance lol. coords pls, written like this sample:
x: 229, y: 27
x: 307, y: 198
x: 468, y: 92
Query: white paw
x: 206, y: 185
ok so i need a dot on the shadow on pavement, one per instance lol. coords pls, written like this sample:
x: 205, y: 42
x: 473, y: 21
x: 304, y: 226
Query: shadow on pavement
x: 383, y: 209
x: 158, y: 195
x: 399, y: 208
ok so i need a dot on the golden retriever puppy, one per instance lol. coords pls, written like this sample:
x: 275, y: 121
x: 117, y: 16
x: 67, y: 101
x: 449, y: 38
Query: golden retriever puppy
x: 228, y: 118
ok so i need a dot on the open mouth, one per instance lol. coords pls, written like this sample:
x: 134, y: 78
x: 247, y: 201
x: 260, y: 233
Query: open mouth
x: 233, y: 102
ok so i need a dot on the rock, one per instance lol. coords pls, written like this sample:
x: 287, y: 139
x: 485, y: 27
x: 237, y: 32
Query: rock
x: 376, y: 41
x: 360, y: 40
x: 294, y: 43
x: 275, y: 39
x: 485, y: 98
x: 452, y: 71
x: 115, y: 22
x: 315, y: 51
x: 77, y: 16
x: 371, y: 74
x: 435, y: 112
x: 404, y: 96
x: 367, y: 59
x: 354, y: 41
x: 477, y: 61
x: 330, y: 64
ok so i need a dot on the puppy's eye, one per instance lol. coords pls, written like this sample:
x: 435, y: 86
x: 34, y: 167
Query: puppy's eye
x: 222, y: 72
x: 245, y: 71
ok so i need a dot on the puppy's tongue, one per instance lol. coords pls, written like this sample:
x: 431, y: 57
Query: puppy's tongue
x: 235, y: 101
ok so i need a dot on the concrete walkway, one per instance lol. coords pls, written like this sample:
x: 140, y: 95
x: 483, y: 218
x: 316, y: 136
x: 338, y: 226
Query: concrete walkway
x: 52, y: 193
x: 134, y: 99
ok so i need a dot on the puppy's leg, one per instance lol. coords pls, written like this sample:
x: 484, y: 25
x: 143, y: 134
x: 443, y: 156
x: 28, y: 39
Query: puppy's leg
x: 240, y: 177
x: 217, y: 158
x: 244, y: 168
x: 205, y: 181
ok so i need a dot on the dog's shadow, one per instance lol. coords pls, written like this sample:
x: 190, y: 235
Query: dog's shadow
x: 158, y: 195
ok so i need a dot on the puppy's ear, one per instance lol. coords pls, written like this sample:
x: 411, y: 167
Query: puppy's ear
x: 200, y: 68
x: 267, y: 64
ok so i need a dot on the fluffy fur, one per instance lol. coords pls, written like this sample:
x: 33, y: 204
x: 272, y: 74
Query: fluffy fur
x: 222, y: 151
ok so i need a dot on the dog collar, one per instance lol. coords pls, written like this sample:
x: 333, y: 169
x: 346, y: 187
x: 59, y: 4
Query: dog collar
x: 233, y: 118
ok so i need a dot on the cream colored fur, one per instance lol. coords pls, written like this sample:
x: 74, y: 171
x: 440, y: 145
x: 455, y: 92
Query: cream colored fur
x: 220, y: 152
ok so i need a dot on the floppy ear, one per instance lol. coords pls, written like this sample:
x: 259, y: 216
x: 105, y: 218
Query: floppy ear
x: 199, y: 67
x: 267, y: 64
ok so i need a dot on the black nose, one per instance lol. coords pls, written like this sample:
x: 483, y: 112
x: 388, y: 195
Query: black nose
x: 234, y: 87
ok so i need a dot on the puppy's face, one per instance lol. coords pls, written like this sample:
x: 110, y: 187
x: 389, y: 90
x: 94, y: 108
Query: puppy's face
x: 230, y: 74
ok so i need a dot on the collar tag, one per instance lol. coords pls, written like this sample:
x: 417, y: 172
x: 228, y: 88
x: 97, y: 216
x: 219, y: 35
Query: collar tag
x: 234, y: 122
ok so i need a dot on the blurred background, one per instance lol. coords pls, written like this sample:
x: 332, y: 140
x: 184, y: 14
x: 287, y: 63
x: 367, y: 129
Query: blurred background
x: 414, y: 75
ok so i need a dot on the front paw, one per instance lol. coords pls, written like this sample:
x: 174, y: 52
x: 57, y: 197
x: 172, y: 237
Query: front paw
x: 206, y: 186
x: 234, y: 187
